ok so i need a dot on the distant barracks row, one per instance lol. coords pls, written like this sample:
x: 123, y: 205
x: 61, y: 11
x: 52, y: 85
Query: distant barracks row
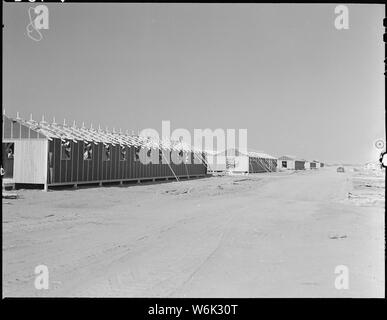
x: 235, y: 161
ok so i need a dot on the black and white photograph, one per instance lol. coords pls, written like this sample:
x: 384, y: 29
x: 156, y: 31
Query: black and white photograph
x: 193, y: 150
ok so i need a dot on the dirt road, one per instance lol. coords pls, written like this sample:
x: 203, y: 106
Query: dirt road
x: 263, y: 235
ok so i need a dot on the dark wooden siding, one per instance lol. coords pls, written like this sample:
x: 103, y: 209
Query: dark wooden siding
x: 299, y: 165
x: 57, y: 162
x: 78, y: 170
x: 259, y: 165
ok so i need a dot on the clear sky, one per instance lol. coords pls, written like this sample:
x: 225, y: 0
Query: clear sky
x: 283, y: 72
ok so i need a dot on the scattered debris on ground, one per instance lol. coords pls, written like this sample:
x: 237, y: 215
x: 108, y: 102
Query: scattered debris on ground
x: 338, y: 237
x: 10, y: 195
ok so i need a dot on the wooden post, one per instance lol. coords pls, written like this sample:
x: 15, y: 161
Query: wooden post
x: 46, y: 167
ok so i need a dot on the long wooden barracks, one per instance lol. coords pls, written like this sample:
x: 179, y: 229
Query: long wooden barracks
x: 51, y: 154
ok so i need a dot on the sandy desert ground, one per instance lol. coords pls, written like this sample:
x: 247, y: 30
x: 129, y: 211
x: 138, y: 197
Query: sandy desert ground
x: 263, y: 235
